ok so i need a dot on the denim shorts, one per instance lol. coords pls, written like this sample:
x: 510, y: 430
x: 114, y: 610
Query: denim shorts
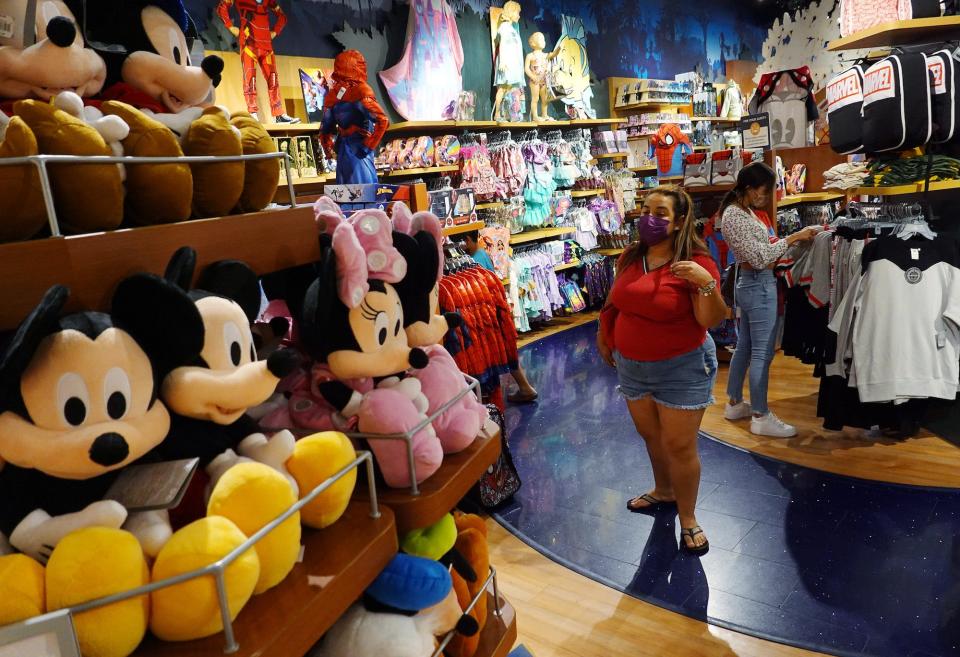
x: 683, y: 382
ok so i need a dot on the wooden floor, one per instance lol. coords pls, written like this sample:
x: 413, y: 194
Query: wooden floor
x: 557, y: 325
x: 563, y: 614
x: 924, y: 461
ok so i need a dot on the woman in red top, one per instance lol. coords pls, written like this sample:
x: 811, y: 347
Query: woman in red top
x: 654, y: 331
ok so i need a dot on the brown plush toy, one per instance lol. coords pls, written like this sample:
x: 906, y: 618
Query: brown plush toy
x: 156, y: 193
x: 22, y: 213
x: 472, y: 545
x: 217, y: 188
x: 261, y: 177
x: 88, y: 197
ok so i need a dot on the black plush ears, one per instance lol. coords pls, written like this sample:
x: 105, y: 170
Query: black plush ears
x: 162, y: 318
x: 41, y: 322
x: 234, y: 280
x: 319, y: 309
x: 181, y: 267
x: 423, y: 262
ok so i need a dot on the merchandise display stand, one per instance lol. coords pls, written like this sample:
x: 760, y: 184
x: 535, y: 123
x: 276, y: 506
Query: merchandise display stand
x: 338, y: 564
x: 902, y: 33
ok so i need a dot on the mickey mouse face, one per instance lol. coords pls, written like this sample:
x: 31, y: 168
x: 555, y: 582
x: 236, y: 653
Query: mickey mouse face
x: 90, y: 406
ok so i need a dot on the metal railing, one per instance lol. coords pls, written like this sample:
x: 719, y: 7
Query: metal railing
x: 491, y: 579
x: 42, y: 162
x: 473, y: 386
x: 218, y: 568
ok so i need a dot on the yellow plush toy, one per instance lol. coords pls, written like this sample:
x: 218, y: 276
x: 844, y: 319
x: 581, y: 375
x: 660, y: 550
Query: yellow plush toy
x: 252, y: 495
x: 92, y: 563
x: 22, y: 583
x: 216, y: 187
x: 197, y: 545
x: 22, y: 213
x: 156, y: 193
x: 88, y: 197
x: 315, y: 459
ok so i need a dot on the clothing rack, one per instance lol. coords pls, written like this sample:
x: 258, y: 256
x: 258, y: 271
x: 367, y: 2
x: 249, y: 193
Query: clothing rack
x: 500, y: 138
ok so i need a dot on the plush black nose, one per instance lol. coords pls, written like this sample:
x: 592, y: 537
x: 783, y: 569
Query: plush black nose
x: 454, y: 320
x: 109, y: 449
x: 282, y: 362
x: 418, y: 358
x: 467, y: 626
x: 61, y: 31
x: 212, y: 65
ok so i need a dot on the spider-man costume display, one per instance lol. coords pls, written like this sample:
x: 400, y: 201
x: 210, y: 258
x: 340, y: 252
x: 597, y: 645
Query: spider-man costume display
x: 256, y: 47
x: 353, y: 123
x: 669, y: 145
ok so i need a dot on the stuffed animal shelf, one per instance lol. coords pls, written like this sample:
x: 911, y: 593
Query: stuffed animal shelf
x: 352, y: 328
x: 419, y: 239
x: 403, y: 612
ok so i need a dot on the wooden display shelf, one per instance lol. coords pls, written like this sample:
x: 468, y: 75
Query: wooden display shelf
x: 702, y: 149
x: 540, y: 234
x: 290, y: 618
x: 650, y: 169
x: 901, y: 33
x: 596, y: 123
x: 585, y: 193
x: 650, y: 104
x: 406, y: 173
x: 608, y: 252
x: 900, y: 190
x: 292, y: 128
x: 611, y: 156
x: 490, y: 206
x: 568, y: 265
x: 808, y: 197
x: 500, y: 633
x: 464, y: 228
x: 519, y: 125
x: 306, y: 182
x: 706, y: 189
x: 91, y: 265
x: 714, y: 119
x: 442, y: 491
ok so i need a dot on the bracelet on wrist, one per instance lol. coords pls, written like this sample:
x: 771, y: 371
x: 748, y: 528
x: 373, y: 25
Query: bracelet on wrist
x: 708, y: 289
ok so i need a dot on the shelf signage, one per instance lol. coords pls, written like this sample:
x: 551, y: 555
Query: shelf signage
x: 755, y: 131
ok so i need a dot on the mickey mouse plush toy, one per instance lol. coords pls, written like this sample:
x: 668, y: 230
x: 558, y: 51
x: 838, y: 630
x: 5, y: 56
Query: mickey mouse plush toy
x: 78, y: 402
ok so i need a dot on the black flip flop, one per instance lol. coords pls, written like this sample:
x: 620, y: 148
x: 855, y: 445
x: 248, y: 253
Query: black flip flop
x: 653, y: 503
x: 696, y: 550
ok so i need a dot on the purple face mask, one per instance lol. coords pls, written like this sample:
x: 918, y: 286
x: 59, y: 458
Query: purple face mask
x: 653, y: 230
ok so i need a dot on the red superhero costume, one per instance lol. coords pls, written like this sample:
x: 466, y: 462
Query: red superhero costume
x: 256, y: 46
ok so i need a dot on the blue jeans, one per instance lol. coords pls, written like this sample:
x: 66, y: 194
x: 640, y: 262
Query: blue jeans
x: 756, y: 298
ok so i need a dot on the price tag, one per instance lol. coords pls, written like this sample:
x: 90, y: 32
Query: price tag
x: 51, y: 635
x: 18, y: 23
x: 914, y: 254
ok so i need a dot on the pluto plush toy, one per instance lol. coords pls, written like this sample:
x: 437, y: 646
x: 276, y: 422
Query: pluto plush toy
x: 353, y: 329
x: 419, y: 239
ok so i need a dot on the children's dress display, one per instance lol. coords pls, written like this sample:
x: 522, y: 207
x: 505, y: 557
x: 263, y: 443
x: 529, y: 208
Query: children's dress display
x: 509, y: 64
x: 428, y: 77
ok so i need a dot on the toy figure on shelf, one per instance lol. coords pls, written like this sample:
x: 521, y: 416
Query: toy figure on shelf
x: 670, y: 144
x: 255, y: 40
x: 508, y: 60
x: 538, y: 62
x: 351, y: 111
x: 427, y: 79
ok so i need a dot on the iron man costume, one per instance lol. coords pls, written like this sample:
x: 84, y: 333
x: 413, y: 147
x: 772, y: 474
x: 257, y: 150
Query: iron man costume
x: 256, y: 47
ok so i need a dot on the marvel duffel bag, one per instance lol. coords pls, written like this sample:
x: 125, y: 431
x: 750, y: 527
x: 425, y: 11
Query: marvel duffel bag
x: 945, y: 94
x: 844, y: 111
x: 897, y: 112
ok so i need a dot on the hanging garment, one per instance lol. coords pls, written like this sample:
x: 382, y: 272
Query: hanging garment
x: 428, y: 78
x: 509, y: 59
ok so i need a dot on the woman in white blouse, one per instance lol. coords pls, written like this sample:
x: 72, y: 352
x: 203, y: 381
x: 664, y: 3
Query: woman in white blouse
x: 756, y: 249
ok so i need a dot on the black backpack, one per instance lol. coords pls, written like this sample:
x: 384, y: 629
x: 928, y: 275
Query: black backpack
x: 844, y: 111
x: 945, y: 95
x: 897, y: 112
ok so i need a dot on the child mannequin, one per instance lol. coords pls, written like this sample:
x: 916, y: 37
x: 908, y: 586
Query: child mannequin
x: 509, y: 62
x: 536, y: 70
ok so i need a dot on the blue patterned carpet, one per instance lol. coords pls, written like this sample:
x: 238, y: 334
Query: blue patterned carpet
x: 797, y: 556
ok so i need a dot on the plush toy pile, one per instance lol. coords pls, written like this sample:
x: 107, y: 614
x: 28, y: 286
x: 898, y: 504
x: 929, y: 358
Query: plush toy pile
x: 185, y: 367
x: 127, y: 97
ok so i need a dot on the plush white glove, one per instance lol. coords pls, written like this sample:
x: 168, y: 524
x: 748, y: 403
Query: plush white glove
x: 38, y: 534
x: 152, y: 529
x: 409, y: 388
x: 273, y: 452
x: 220, y: 465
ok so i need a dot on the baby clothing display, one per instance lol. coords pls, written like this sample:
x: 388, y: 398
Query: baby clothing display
x: 540, y: 184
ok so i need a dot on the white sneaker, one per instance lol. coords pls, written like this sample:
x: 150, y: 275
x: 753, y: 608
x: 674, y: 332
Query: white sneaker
x: 771, y: 425
x: 738, y: 412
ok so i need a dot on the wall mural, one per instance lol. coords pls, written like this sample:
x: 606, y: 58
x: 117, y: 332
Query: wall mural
x: 642, y: 38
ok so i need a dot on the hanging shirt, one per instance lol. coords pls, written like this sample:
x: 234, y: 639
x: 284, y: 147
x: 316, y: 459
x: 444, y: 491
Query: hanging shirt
x: 652, y: 317
x: 899, y: 326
